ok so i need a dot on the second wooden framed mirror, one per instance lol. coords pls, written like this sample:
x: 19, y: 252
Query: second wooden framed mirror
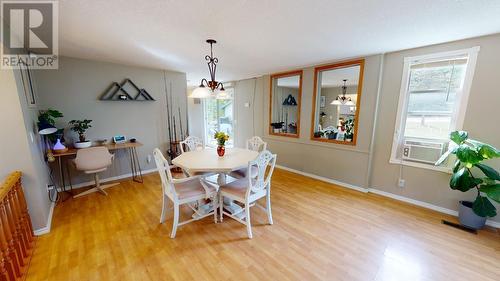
x: 336, y: 102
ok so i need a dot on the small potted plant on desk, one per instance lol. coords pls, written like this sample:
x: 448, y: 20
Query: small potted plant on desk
x: 80, y: 127
x: 470, y: 155
x: 221, y: 138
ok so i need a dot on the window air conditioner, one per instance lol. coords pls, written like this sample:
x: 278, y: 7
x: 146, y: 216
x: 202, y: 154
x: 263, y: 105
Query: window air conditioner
x: 422, y: 151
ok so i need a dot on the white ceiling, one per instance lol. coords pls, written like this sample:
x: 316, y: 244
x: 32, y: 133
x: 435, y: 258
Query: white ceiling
x: 265, y: 36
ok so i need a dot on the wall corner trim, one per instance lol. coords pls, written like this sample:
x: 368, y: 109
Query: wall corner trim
x: 46, y: 228
x: 385, y: 194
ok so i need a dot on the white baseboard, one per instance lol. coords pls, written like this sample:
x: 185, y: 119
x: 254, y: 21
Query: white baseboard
x: 385, y: 194
x: 129, y: 175
x: 328, y: 180
x: 414, y: 202
x: 426, y: 205
x: 46, y: 229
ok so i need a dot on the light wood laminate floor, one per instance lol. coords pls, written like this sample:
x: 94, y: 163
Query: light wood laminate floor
x: 320, y: 232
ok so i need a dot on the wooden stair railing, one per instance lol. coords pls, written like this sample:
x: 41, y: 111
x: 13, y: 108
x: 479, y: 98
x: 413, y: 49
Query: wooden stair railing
x: 16, y: 232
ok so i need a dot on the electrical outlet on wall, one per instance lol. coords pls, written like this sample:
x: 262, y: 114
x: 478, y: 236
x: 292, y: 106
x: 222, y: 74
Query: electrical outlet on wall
x: 401, y: 183
x: 148, y: 159
x: 50, y: 187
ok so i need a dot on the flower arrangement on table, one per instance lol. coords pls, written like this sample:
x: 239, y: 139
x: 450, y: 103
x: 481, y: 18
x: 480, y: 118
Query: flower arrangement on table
x: 221, y: 138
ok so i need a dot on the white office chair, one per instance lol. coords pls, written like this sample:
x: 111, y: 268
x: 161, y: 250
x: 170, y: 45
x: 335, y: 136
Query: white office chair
x: 254, y: 143
x: 250, y: 189
x: 192, y: 143
x: 189, y: 191
x: 94, y: 160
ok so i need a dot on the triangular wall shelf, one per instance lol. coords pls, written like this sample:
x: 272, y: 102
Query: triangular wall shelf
x: 117, y: 92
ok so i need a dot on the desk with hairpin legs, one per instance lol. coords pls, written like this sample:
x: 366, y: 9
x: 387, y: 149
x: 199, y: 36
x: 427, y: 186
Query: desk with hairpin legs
x: 135, y: 165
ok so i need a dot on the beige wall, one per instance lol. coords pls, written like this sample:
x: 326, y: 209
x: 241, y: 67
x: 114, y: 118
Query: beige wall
x: 19, y: 149
x: 75, y: 88
x: 340, y: 162
x: 350, y: 164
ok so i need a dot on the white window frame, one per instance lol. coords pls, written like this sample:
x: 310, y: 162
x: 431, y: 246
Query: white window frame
x: 460, y: 106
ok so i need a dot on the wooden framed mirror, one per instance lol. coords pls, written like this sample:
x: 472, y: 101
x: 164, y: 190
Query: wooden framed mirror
x: 284, y: 105
x: 336, y: 102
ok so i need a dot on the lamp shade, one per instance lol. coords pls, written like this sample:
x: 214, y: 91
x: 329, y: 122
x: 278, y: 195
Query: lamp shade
x: 201, y: 92
x: 349, y: 102
x: 336, y: 102
x: 223, y: 95
x: 46, y: 128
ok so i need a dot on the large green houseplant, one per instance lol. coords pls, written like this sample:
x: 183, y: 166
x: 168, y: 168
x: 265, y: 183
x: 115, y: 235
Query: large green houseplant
x: 469, y: 171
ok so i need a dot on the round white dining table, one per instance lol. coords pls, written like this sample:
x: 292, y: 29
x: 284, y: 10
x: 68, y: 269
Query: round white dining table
x: 207, y: 160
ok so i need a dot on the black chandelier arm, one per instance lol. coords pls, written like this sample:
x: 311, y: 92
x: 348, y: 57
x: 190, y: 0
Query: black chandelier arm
x: 221, y: 86
x: 204, y: 85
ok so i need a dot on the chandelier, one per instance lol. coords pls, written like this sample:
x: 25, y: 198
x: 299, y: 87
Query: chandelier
x: 343, y: 100
x: 210, y: 88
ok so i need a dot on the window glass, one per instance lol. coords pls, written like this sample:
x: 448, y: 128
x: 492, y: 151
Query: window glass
x: 218, y: 117
x: 432, y: 94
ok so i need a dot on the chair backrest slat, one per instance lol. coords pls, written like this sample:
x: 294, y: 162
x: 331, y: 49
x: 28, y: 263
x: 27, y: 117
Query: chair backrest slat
x: 165, y: 174
x: 260, y: 181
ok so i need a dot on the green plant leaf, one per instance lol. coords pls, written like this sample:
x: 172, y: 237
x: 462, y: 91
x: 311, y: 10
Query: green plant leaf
x: 485, y: 150
x: 462, y: 180
x: 456, y: 166
x: 483, y: 207
x: 468, y: 155
x: 458, y: 137
x: 488, y: 152
x: 488, y: 171
x: 492, y: 191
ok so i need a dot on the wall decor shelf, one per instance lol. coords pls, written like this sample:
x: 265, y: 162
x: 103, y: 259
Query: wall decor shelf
x: 118, y: 92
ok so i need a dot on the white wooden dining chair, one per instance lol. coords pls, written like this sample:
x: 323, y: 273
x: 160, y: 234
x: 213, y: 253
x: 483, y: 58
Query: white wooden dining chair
x: 250, y: 189
x: 190, y: 191
x: 254, y: 143
x: 191, y: 143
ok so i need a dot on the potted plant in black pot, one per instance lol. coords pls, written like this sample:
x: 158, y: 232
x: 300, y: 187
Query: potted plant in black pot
x: 80, y: 127
x: 47, y: 127
x: 349, y: 129
x: 469, y: 172
x: 47, y: 121
x: 331, y: 134
x: 277, y: 126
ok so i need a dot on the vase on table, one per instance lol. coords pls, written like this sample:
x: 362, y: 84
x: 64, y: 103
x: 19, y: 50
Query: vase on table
x: 221, y: 150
